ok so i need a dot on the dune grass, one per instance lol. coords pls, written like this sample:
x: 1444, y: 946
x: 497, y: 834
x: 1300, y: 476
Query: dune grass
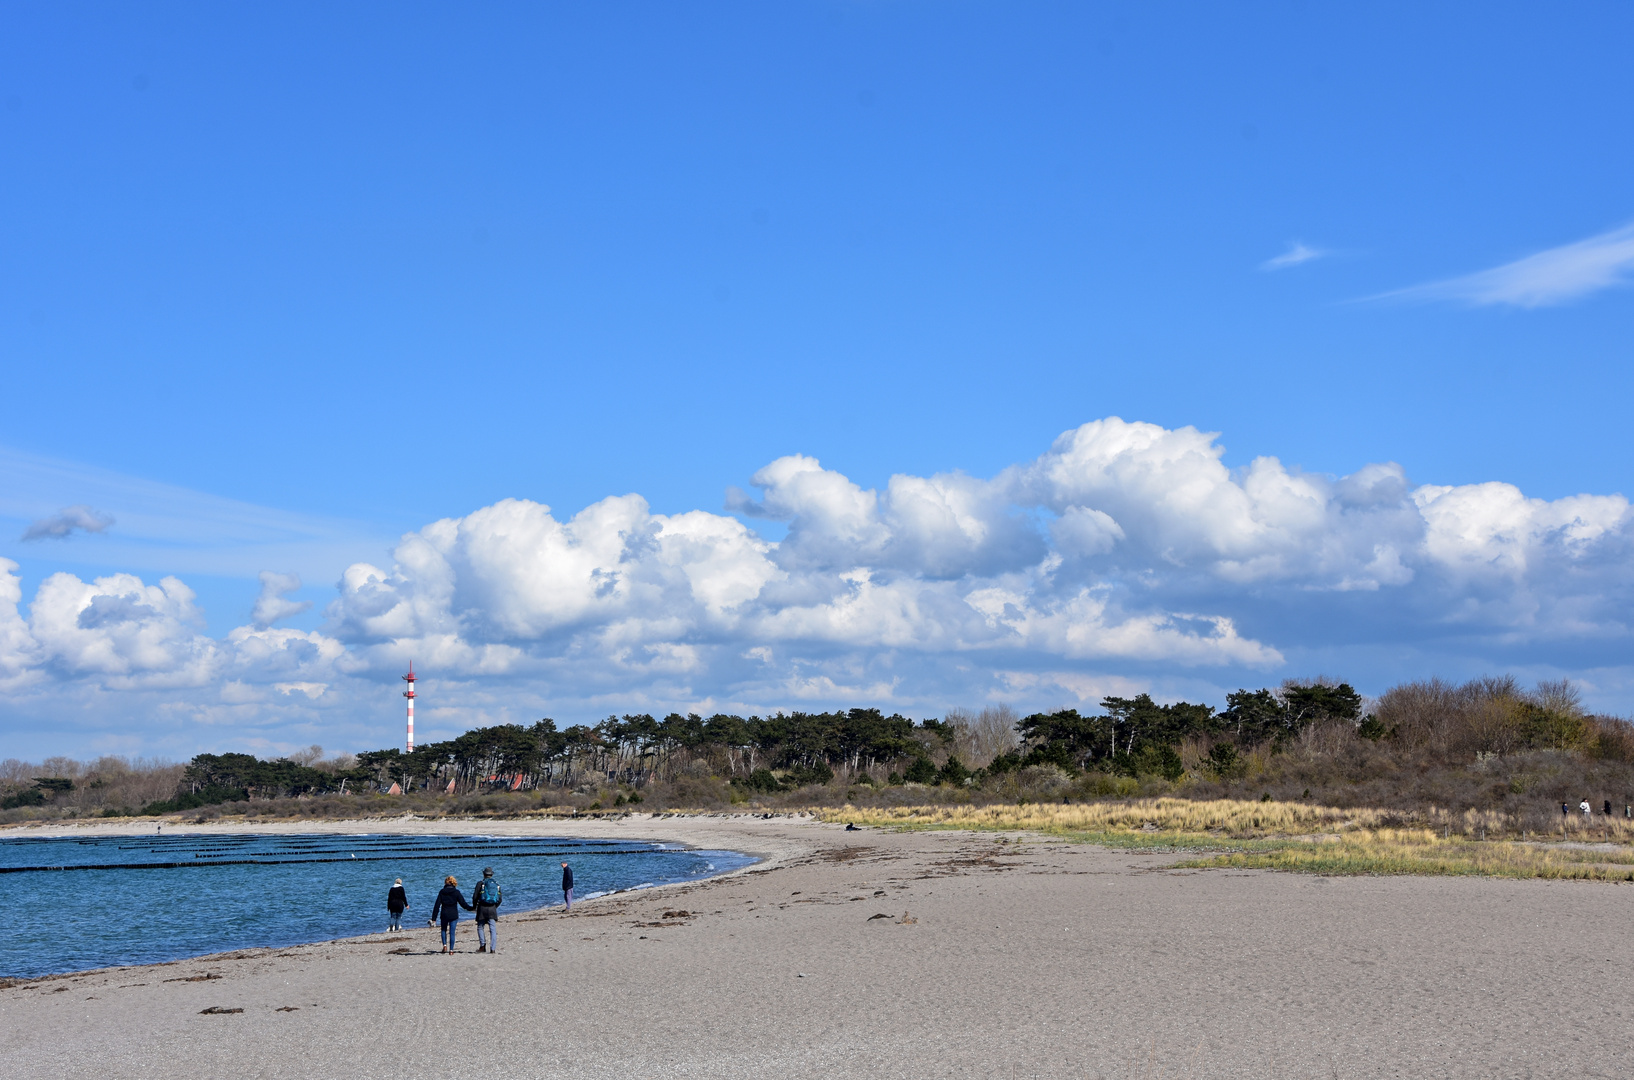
x: 1295, y: 836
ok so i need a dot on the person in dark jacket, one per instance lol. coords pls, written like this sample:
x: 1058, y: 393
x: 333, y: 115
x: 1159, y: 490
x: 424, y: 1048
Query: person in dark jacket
x: 396, y: 904
x: 487, y: 913
x: 447, y: 911
x: 567, y: 886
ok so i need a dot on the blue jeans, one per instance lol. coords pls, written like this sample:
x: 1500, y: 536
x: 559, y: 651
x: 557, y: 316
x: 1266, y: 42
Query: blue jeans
x: 567, y: 895
x: 396, y: 920
x: 448, y: 934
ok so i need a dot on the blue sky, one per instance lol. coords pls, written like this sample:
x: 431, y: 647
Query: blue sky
x: 282, y: 284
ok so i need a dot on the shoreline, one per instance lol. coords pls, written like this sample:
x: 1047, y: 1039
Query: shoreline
x: 339, y: 828
x: 898, y: 954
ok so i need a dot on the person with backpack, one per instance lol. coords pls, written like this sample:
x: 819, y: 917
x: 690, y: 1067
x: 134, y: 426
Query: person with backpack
x: 567, y: 887
x: 396, y: 904
x: 447, y: 911
x: 487, y: 896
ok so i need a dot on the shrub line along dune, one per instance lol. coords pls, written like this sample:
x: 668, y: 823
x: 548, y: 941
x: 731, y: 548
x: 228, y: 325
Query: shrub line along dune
x: 1307, y: 775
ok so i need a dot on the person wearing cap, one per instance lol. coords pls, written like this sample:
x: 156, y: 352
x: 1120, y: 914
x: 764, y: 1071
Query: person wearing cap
x: 447, y: 911
x: 396, y: 904
x: 487, y: 896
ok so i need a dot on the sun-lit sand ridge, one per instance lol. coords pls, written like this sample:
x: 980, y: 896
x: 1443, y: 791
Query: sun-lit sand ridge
x: 998, y: 954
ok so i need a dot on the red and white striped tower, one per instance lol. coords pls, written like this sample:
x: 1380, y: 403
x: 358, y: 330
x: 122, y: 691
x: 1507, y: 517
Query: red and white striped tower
x: 409, y: 693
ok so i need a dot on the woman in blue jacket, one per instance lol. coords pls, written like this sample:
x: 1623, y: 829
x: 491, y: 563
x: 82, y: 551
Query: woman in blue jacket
x: 447, y: 910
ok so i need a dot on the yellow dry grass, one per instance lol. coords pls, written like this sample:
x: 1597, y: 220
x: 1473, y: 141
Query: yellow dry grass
x: 1419, y: 851
x: 1296, y: 836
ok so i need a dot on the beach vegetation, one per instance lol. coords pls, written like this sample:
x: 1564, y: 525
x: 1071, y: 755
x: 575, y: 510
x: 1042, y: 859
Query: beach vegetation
x: 1297, y: 836
x: 921, y: 771
x: 1488, y: 746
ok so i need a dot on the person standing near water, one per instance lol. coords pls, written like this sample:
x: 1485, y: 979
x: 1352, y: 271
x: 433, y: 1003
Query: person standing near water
x: 487, y: 896
x: 567, y: 887
x: 447, y: 911
x: 396, y: 904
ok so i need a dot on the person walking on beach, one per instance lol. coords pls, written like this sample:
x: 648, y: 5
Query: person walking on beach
x: 447, y: 911
x: 487, y: 896
x: 396, y: 904
x: 567, y: 887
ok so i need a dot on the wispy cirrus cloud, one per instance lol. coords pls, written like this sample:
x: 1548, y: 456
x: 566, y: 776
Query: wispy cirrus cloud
x: 164, y: 527
x: 1298, y: 253
x: 1555, y: 276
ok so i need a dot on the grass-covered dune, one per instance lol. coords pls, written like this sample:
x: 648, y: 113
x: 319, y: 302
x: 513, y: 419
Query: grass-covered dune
x: 1300, y: 836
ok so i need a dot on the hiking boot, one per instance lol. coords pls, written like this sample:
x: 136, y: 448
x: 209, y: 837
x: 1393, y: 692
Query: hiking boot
x: 482, y: 948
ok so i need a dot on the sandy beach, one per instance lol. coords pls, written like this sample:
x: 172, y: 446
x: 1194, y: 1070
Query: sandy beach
x: 1018, y: 957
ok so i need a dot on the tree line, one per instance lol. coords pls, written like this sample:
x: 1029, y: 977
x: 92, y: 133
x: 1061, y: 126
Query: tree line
x: 1129, y: 736
x: 1427, y: 722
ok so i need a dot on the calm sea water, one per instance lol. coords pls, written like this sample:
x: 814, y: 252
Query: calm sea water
x: 96, y: 902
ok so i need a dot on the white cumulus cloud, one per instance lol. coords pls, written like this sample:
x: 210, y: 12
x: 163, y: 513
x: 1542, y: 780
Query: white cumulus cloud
x: 1126, y: 554
x: 274, y: 604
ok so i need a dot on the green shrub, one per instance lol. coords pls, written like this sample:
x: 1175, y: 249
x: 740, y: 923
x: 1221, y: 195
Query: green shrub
x: 920, y: 772
x: 953, y: 773
x: 1009, y: 761
x: 1159, y: 759
x: 1053, y: 753
x: 1224, y: 760
x: 192, y: 800
x: 802, y: 775
x: 1372, y: 729
x: 760, y: 780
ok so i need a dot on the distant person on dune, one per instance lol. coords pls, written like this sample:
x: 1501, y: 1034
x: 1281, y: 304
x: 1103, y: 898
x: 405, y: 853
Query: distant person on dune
x: 487, y: 896
x: 567, y: 887
x: 447, y: 911
x: 1588, y: 811
x: 396, y: 904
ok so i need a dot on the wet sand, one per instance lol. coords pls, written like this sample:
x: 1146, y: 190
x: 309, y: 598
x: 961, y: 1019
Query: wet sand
x: 1019, y: 958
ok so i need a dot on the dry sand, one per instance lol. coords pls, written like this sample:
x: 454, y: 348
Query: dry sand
x: 1024, y: 958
